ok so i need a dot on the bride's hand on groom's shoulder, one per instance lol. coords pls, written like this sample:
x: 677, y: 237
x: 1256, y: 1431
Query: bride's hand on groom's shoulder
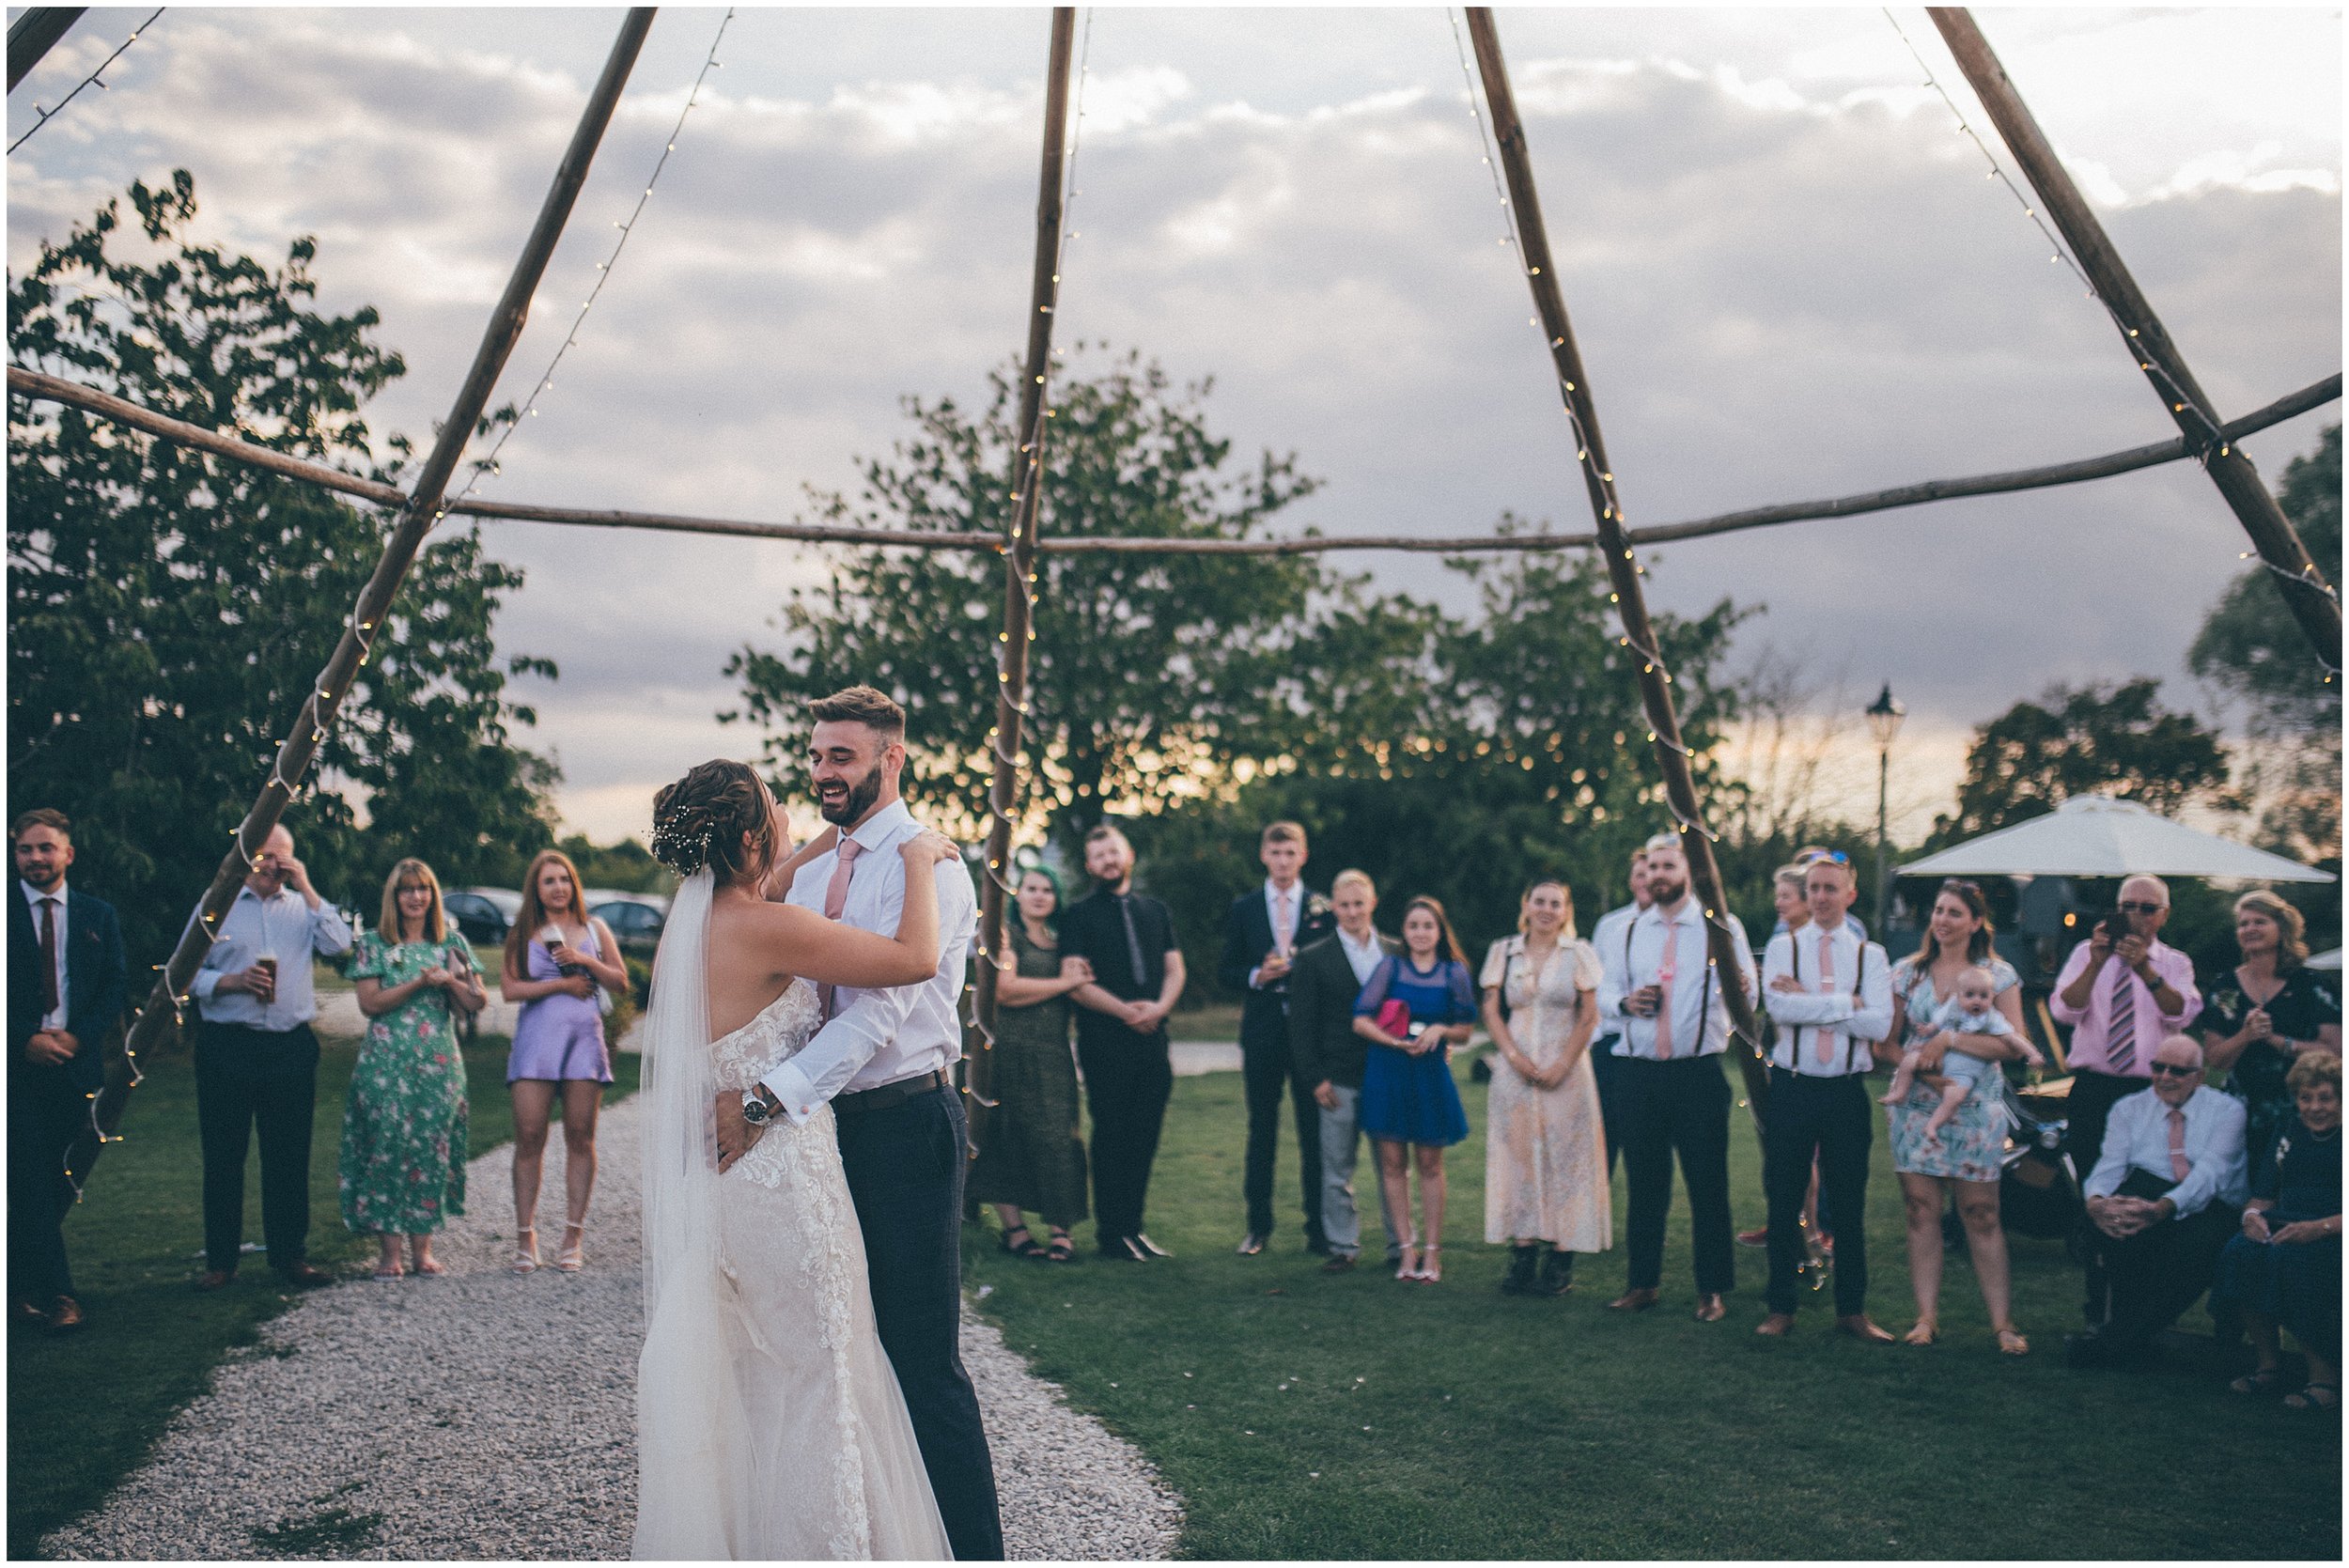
x: 929, y: 847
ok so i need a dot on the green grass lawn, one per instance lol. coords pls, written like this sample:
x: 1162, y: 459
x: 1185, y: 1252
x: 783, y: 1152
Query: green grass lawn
x: 1304, y: 1416
x: 84, y: 1410
x: 1218, y: 1020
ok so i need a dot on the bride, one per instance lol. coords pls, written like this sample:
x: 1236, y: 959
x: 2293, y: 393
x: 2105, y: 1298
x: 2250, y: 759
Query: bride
x: 769, y: 1422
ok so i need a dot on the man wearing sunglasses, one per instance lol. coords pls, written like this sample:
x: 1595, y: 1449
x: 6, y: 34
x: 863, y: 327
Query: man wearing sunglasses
x: 2121, y: 990
x: 2164, y: 1198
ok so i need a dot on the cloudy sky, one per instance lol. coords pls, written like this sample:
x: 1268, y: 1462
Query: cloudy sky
x: 1789, y: 274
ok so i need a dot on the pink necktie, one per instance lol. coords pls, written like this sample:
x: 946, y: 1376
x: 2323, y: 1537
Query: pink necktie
x: 1664, y: 996
x: 835, y: 900
x: 2179, y: 1169
x: 1827, y: 988
x: 2121, y: 1032
x: 1284, y: 922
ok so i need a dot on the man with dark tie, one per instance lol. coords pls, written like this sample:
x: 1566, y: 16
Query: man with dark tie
x: 1138, y: 973
x: 1673, y: 1098
x: 1261, y: 936
x: 2121, y: 990
x: 1830, y: 994
x: 2164, y: 1197
x: 66, y: 983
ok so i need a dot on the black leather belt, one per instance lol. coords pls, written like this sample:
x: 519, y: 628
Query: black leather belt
x: 887, y: 1096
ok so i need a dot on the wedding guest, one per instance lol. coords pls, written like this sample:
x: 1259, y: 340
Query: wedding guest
x: 2121, y: 990
x: 1792, y: 910
x: 1610, y: 935
x: 2284, y: 1268
x: 1964, y: 1153
x: 2164, y: 1197
x: 1030, y: 1156
x: 1128, y: 940
x: 557, y: 957
x: 1831, y: 995
x: 1329, y: 975
x: 1261, y: 936
x: 67, y: 982
x: 2261, y: 1016
x: 1546, y: 1190
x: 1803, y: 857
x: 256, y: 1063
x: 404, y: 1144
x: 1674, y: 1097
x: 1416, y: 1006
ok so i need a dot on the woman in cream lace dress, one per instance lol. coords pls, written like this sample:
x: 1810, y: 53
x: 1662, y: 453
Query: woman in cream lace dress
x: 769, y: 1422
x: 1545, y: 1149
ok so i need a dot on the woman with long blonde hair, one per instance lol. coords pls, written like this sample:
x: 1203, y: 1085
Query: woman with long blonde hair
x: 403, y: 1154
x: 557, y: 957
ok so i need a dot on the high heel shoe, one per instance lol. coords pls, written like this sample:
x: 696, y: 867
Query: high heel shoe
x: 1430, y: 1265
x: 526, y: 1249
x: 1408, y: 1264
x: 574, y: 1254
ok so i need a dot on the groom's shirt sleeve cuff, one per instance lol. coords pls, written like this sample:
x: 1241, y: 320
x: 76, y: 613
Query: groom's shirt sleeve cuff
x: 792, y: 1090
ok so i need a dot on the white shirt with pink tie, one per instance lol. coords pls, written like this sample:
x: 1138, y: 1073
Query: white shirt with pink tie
x: 1671, y: 951
x: 875, y: 1037
x: 1826, y: 1030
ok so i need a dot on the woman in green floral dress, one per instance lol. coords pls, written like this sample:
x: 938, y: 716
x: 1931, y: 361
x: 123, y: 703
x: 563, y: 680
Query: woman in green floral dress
x: 403, y: 1156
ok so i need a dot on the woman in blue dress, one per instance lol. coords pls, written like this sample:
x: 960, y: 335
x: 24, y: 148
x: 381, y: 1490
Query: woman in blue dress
x: 1415, y: 1007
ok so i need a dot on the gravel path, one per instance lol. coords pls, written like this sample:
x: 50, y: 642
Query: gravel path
x: 487, y: 1415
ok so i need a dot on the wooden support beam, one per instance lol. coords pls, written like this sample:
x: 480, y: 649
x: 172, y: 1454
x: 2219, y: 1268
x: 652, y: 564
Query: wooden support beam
x: 2312, y: 600
x: 421, y: 511
x: 1598, y: 479
x: 34, y: 34
x: 1027, y: 484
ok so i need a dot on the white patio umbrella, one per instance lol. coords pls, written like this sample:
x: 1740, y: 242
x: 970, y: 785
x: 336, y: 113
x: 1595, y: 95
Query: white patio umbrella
x: 2326, y: 960
x: 2096, y: 836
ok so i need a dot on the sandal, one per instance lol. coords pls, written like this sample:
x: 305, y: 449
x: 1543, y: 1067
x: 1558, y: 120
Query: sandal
x: 1062, y: 1249
x: 2266, y: 1380
x: 574, y: 1254
x: 1430, y: 1267
x: 1923, y: 1331
x: 1026, y: 1246
x: 526, y: 1249
x: 431, y: 1265
x: 2316, y: 1396
x: 1406, y: 1262
x: 390, y: 1272
x: 2011, y: 1342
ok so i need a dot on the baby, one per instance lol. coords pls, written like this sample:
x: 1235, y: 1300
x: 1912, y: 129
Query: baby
x: 1970, y: 1011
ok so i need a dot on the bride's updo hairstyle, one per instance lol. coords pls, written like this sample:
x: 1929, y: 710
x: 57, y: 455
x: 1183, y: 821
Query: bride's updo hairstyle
x: 699, y: 821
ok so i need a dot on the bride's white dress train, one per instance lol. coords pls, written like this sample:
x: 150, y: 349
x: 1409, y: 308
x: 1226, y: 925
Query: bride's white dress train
x: 770, y: 1423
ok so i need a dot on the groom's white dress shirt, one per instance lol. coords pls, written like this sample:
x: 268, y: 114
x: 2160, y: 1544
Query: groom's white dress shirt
x: 881, y: 1036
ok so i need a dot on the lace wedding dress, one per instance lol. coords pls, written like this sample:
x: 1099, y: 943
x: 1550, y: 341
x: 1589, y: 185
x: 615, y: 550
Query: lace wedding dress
x: 769, y: 1424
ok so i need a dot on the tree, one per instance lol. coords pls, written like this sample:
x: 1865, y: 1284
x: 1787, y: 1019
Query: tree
x: 1146, y: 674
x: 169, y: 608
x: 2117, y: 739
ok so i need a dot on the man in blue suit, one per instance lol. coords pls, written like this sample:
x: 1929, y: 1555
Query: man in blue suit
x: 67, y: 983
x: 1261, y: 936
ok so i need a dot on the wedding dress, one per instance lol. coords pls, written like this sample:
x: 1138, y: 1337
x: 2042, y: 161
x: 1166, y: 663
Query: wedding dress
x: 769, y: 1422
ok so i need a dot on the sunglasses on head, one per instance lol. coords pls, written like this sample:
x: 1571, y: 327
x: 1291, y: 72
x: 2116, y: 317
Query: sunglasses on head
x: 1834, y: 856
x: 2139, y: 906
x: 2171, y: 1069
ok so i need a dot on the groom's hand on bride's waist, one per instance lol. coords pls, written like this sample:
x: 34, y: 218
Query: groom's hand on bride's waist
x: 735, y: 1136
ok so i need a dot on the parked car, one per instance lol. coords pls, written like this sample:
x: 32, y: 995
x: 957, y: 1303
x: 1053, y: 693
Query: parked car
x: 483, y: 914
x: 636, y: 918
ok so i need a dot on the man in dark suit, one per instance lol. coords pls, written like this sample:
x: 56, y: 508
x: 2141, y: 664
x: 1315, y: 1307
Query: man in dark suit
x: 1328, y: 1054
x: 1261, y: 936
x: 67, y: 982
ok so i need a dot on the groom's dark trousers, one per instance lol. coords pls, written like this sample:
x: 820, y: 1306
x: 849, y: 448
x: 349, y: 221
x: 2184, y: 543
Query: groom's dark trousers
x: 905, y: 1161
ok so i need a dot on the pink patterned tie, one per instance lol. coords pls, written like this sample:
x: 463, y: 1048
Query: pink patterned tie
x: 1283, y: 923
x: 2179, y: 1168
x: 1827, y: 988
x: 835, y: 900
x: 1664, y: 974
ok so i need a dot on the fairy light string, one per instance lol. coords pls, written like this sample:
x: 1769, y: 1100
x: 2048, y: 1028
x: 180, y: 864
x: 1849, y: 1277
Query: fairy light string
x: 45, y: 115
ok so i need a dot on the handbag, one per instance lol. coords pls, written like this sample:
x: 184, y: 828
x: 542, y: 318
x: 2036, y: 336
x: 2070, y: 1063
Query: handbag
x: 1394, y: 1017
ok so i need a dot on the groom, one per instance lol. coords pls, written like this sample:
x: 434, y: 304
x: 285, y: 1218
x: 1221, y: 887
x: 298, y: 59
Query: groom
x: 885, y: 1059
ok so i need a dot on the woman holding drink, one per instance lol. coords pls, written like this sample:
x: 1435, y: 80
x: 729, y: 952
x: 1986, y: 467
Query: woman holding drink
x: 556, y: 957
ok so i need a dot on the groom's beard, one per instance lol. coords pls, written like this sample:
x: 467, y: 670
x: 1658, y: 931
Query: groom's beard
x: 842, y: 809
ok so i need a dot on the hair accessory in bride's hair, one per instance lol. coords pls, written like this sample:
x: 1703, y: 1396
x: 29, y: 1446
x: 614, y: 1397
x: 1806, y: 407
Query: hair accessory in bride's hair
x: 680, y: 841
x: 703, y: 819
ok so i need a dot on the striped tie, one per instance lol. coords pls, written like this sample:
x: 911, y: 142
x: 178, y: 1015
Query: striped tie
x: 2120, y: 1033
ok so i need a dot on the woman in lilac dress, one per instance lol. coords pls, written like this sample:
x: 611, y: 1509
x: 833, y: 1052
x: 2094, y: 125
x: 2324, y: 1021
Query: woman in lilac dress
x: 556, y: 957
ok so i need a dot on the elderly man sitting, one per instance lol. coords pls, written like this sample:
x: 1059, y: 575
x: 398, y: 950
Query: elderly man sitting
x: 2164, y: 1198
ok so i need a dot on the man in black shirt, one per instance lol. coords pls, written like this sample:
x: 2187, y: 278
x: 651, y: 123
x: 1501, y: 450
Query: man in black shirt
x: 1129, y: 938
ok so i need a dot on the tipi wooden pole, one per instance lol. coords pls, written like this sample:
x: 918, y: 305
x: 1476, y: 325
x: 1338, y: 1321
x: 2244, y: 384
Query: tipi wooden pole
x: 423, y: 509
x: 1598, y: 479
x: 34, y: 34
x: 2312, y: 600
x: 1027, y: 485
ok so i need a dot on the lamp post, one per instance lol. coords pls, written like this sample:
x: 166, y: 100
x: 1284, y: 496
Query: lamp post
x: 1884, y: 722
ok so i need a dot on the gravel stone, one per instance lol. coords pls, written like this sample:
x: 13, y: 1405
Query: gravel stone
x: 486, y: 1415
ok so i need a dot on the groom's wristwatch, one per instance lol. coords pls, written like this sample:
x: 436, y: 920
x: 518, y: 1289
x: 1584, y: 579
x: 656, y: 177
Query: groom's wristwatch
x: 755, y: 1111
